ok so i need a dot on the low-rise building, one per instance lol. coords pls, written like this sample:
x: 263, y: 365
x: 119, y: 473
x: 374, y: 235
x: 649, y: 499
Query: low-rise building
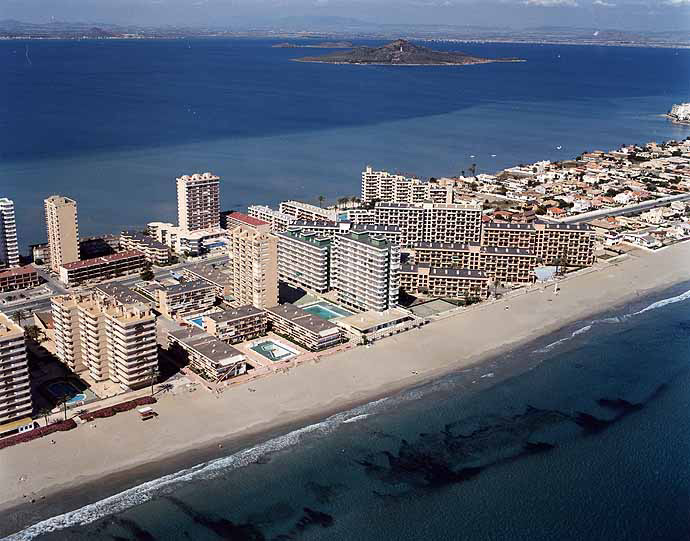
x: 102, y: 268
x: 220, y: 280
x: 15, y: 391
x: 235, y: 218
x: 18, y: 278
x: 303, y: 328
x: 207, y: 355
x: 304, y: 260
x: 188, y: 243
x: 370, y: 326
x: 279, y: 221
x: 154, y: 251
x: 305, y: 211
x: 237, y: 325
x: 185, y: 299
x: 446, y: 283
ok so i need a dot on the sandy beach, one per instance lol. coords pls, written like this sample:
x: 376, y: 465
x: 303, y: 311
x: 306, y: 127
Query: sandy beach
x: 191, y: 421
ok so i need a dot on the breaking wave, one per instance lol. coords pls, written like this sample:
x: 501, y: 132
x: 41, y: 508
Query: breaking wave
x: 167, y: 484
x: 654, y: 306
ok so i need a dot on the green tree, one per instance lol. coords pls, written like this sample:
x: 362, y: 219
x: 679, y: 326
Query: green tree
x: 35, y: 334
x: 146, y: 273
x: 44, y: 412
x: 321, y: 200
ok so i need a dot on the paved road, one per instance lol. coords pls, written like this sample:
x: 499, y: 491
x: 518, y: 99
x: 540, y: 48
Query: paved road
x: 622, y: 211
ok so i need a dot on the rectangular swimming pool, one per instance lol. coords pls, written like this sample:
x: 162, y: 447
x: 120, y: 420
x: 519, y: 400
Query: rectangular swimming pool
x: 274, y: 351
x: 326, y: 310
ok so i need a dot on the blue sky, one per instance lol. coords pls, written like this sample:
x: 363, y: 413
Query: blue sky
x: 620, y: 14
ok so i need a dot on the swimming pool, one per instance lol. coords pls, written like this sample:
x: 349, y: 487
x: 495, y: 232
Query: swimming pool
x: 198, y: 321
x: 61, y: 389
x: 326, y: 310
x: 273, y: 351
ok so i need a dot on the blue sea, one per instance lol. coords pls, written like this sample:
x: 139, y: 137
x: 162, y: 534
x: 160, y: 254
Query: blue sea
x: 113, y: 123
x: 584, y: 434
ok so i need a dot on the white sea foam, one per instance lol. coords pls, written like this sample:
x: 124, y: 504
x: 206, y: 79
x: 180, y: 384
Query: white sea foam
x: 356, y: 418
x: 167, y: 484
x: 654, y: 306
x: 664, y: 302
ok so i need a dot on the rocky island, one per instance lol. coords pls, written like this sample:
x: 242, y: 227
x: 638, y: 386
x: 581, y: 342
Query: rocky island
x: 402, y: 53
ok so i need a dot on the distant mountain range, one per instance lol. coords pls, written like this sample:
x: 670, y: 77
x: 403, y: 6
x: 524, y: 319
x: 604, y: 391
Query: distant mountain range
x: 330, y: 28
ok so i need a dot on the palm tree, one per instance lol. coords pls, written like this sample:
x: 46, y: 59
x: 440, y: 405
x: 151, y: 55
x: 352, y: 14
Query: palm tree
x: 321, y: 200
x: 18, y: 317
x: 154, y: 377
x: 44, y: 412
x: 34, y: 333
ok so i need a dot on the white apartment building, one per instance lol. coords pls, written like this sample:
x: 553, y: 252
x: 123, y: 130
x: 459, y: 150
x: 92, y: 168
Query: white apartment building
x: 15, y: 391
x: 303, y: 260
x: 185, y: 299
x: 62, y: 230
x: 182, y: 242
x: 254, y: 265
x: 198, y: 201
x: 358, y: 216
x: 279, y: 220
x: 385, y: 187
x: 433, y: 222
x: 305, y: 211
x: 106, y: 340
x: 365, y: 271
x: 681, y: 111
x: 9, y: 247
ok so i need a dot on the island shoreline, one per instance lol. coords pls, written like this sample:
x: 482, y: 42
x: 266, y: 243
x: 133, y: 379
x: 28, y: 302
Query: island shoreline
x: 122, y: 475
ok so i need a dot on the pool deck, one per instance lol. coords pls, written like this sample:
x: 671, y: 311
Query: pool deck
x: 261, y: 363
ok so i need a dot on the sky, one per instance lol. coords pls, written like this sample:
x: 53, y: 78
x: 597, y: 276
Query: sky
x: 654, y: 15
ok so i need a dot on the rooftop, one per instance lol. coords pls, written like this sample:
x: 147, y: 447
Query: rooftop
x: 307, y: 238
x: 119, y: 256
x: 368, y: 320
x: 209, y: 273
x: 17, y: 271
x: 243, y: 218
x: 235, y: 313
x: 187, y: 287
x: 300, y: 317
x: 207, y: 345
x: 121, y: 293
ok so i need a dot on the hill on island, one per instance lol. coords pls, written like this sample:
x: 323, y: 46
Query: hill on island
x: 400, y: 53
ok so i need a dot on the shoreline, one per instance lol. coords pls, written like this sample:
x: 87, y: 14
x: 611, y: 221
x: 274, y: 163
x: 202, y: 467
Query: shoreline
x: 54, y: 470
x: 443, y: 64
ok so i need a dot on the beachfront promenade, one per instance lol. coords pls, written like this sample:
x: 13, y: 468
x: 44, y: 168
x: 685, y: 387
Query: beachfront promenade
x: 192, y: 420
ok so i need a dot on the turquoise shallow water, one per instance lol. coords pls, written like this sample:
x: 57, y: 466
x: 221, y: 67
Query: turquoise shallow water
x: 113, y: 123
x: 583, y: 435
